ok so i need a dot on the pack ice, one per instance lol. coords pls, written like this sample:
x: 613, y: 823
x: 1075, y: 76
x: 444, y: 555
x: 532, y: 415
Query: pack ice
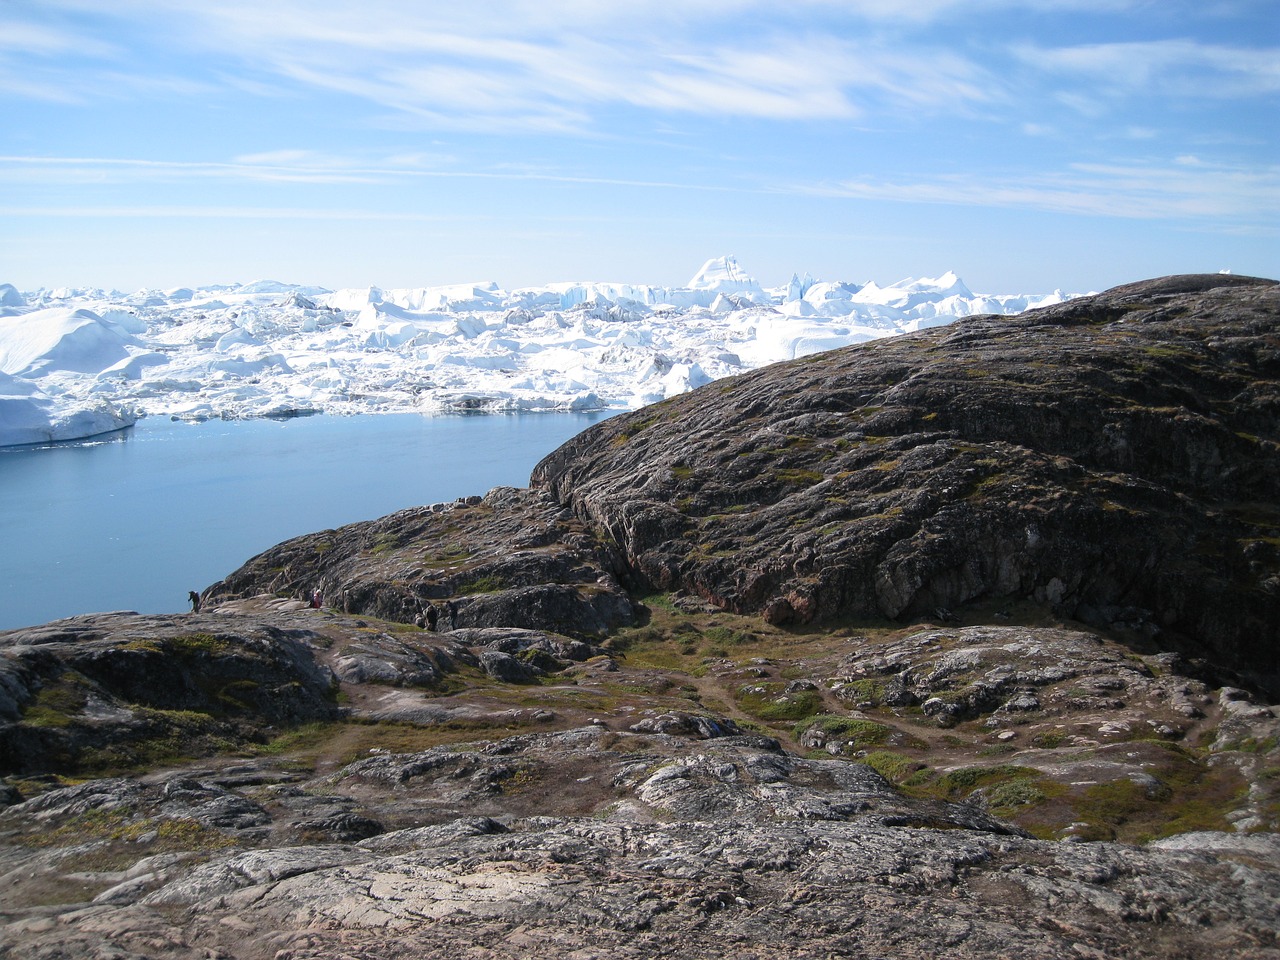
x: 80, y: 362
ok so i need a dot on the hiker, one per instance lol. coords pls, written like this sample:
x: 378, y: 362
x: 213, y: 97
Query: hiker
x: 316, y: 599
x: 451, y: 608
x: 432, y: 616
x: 195, y: 601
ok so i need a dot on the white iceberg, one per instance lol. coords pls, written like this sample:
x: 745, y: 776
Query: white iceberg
x: 78, y: 359
x: 28, y: 416
x: 59, y: 339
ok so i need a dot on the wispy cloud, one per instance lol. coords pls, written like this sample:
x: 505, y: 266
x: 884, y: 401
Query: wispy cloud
x: 296, y: 166
x: 1184, y: 189
x: 42, y: 40
x: 193, y: 212
x: 103, y: 170
x: 1174, y: 67
x: 539, y: 66
x: 532, y: 66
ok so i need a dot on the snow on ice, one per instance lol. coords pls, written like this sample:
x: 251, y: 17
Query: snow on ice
x: 75, y: 363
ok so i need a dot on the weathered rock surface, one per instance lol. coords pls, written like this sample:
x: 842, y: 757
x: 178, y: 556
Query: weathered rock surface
x: 727, y: 890
x: 766, y: 852
x: 1116, y: 456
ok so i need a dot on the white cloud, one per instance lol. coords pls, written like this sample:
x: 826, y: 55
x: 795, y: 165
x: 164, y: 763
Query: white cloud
x: 528, y: 65
x: 305, y: 168
x: 561, y: 85
x: 46, y: 41
x: 1138, y: 190
x: 555, y: 67
x: 1174, y: 67
x: 24, y: 86
x: 188, y: 212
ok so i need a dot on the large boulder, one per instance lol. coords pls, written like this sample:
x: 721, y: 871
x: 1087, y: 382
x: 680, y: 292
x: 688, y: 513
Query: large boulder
x: 120, y: 689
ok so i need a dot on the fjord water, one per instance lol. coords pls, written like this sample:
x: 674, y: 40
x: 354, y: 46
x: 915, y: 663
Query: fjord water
x: 134, y: 521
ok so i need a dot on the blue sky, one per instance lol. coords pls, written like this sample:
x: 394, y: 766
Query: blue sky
x: 1027, y: 144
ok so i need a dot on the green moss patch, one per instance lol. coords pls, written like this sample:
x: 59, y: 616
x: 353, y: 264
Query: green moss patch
x: 57, y: 702
x: 769, y: 702
x: 894, y: 767
x: 958, y: 784
x: 485, y: 584
x: 860, y: 733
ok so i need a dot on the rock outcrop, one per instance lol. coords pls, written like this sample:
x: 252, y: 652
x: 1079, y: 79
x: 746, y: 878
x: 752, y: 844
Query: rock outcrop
x: 109, y: 689
x: 1116, y: 457
x: 510, y: 558
x: 119, y: 690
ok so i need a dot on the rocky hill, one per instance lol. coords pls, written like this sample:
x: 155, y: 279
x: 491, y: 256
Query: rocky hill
x: 961, y: 643
x: 1116, y: 458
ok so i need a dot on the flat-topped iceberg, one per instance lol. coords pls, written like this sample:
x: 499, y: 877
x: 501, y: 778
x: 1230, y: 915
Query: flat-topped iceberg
x: 27, y: 416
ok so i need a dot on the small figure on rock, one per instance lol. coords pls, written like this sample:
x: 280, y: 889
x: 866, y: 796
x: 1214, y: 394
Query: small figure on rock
x: 195, y: 601
x: 452, y: 609
x: 316, y: 599
x: 433, y: 615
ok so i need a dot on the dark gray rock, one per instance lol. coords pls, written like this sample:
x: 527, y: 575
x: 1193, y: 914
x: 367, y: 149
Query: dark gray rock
x: 687, y: 725
x: 342, y: 827
x: 210, y: 805
x: 508, y: 669
x: 1115, y: 457
x: 398, y: 662
x: 100, y: 688
x: 515, y: 640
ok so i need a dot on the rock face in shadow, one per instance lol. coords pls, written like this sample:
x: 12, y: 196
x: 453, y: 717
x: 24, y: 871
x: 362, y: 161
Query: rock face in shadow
x: 116, y: 690
x: 1116, y: 457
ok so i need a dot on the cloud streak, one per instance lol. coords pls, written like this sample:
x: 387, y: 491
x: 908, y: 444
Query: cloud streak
x: 320, y: 170
x: 1185, y: 188
x: 1181, y: 67
x: 512, y: 66
x: 539, y: 66
x: 192, y: 212
x: 1182, y: 190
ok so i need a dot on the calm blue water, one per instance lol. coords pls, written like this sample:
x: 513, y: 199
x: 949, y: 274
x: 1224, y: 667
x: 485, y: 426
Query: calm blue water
x: 134, y: 522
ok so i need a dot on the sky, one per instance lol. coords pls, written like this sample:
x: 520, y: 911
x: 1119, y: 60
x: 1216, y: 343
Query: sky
x: 1029, y: 145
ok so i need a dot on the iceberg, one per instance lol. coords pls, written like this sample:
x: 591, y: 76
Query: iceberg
x: 724, y: 275
x: 27, y: 416
x: 10, y: 297
x: 80, y: 361
x: 59, y: 339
